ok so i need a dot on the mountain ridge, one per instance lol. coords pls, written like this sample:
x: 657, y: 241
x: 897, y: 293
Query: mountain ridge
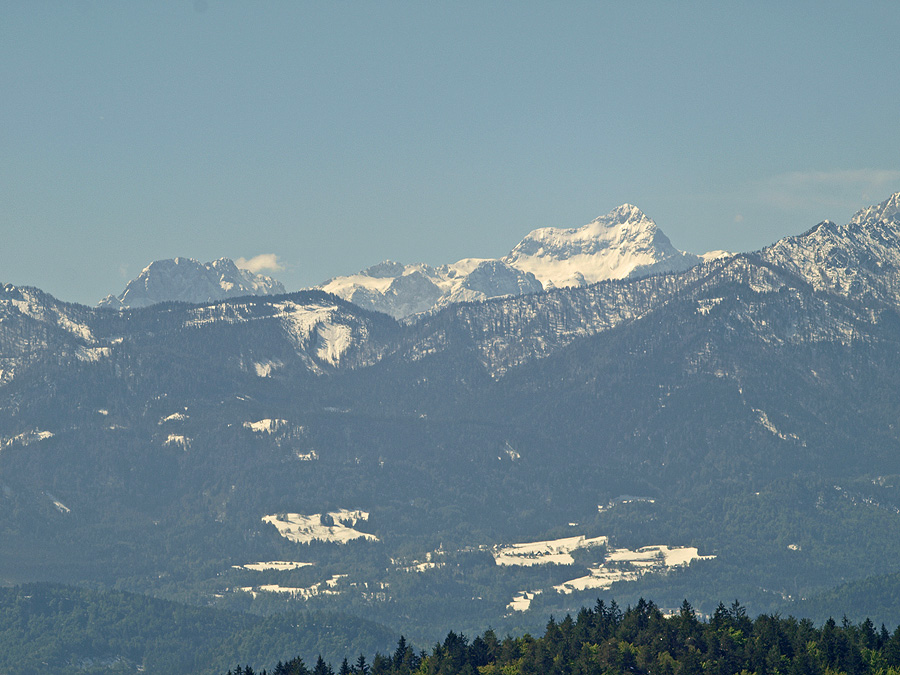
x: 748, y: 404
x: 188, y: 280
x: 623, y: 243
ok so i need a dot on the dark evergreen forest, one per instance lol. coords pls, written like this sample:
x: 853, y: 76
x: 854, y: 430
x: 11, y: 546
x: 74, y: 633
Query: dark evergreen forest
x: 641, y: 640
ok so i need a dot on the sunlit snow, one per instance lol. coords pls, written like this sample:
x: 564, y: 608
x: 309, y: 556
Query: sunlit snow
x: 27, y: 438
x: 266, y: 426
x: 334, y: 340
x: 620, y: 564
x: 705, y: 305
x: 522, y: 601
x: 176, y: 439
x: 556, y: 551
x: 322, y: 588
x: 304, y: 529
x: 266, y: 368
x: 277, y: 565
x: 614, y: 246
x: 623, y: 564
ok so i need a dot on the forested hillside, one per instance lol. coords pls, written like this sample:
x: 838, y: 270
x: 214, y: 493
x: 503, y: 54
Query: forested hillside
x: 58, y: 630
x: 641, y: 640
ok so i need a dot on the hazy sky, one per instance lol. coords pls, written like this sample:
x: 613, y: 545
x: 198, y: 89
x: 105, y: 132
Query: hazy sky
x: 332, y: 135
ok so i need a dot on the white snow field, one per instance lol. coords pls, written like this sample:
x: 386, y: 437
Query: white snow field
x: 555, y: 551
x: 620, y: 564
x: 304, y: 529
x: 623, y: 564
x: 277, y: 565
x: 326, y: 587
x: 522, y: 601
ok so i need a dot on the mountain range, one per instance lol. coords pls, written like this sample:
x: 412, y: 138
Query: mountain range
x: 478, y: 463
x: 625, y: 243
x: 187, y: 280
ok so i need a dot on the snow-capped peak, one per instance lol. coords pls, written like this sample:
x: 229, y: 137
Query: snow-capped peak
x: 188, y: 280
x: 623, y: 243
x: 886, y: 210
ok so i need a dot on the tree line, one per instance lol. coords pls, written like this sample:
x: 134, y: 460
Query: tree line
x: 642, y: 640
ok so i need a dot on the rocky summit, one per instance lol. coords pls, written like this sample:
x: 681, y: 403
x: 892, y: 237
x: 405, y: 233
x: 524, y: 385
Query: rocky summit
x: 187, y: 280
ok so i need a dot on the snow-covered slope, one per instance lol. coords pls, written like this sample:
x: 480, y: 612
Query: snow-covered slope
x: 623, y: 243
x: 861, y: 258
x: 188, y: 280
x: 403, y: 290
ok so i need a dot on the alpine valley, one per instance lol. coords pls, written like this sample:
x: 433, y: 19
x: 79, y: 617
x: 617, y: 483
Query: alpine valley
x: 479, y: 444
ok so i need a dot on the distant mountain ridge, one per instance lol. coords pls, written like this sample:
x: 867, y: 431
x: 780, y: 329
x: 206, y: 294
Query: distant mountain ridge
x: 188, y: 280
x: 624, y: 243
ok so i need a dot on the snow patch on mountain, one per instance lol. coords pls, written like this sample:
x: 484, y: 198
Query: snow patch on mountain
x: 336, y: 526
x: 177, y: 439
x: 324, y: 331
x: 763, y: 420
x: 623, y: 564
x: 62, y: 508
x: 334, y: 340
x: 276, y: 565
x: 709, y: 256
x: 34, y: 305
x: 266, y: 426
x: 326, y: 587
x: 187, y: 280
x: 266, y: 368
x: 27, y: 438
x: 555, y: 551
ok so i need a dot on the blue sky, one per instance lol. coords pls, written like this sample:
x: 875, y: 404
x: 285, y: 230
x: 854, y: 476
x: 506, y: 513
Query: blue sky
x: 333, y: 135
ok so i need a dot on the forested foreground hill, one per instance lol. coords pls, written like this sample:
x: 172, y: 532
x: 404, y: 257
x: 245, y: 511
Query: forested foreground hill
x: 643, y: 640
x: 59, y: 630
